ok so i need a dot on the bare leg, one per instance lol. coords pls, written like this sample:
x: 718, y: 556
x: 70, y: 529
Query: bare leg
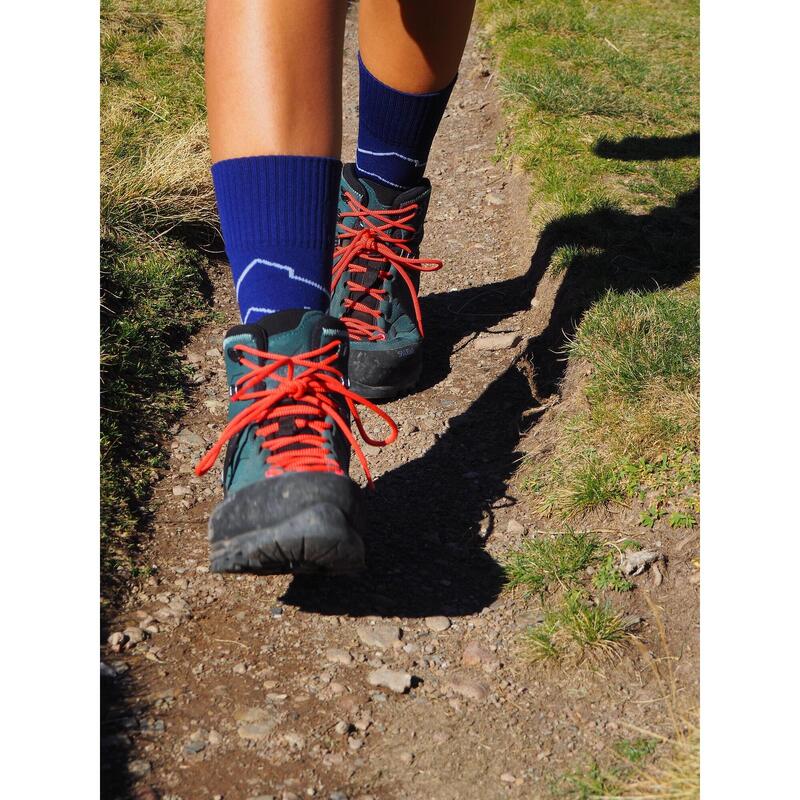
x: 274, y: 79
x: 414, y: 45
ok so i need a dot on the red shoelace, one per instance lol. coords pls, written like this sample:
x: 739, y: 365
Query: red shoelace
x: 373, y: 242
x: 311, y: 390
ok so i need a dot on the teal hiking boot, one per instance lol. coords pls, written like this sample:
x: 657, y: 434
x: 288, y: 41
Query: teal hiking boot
x: 289, y: 504
x: 376, y: 271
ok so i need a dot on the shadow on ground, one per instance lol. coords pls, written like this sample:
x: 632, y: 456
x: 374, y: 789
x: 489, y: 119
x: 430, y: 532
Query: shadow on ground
x: 430, y: 518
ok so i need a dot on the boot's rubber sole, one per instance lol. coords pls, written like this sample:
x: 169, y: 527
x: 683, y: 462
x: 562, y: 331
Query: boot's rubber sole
x: 299, y: 522
x: 319, y: 539
x: 381, y: 376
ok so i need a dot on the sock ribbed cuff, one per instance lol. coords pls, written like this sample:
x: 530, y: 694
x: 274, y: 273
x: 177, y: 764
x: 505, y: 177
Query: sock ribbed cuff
x: 400, y: 118
x: 277, y: 201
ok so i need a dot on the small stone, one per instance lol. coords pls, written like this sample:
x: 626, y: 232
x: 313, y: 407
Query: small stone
x: 496, y: 341
x: 116, y: 641
x: 139, y: 767
x: 342, y: 727
x: 494, y: 200
x: 507, y: 777
x: 240, y: 669
x: 252, y: 715
x: 255, y: 731
x: 337, y: 655
x: 179, y: 491
x: 276, y: 612
x: 194, y: 746
x: 337, y: 688
x: 515, y: 528
x: 470, y: 689
x: 337, y: 796
x: 354, y: 743
x: 478, y: 655
x: 135, y: 635
x: 191, y: 439
x: 437, y: 624
x: 294, y: 740
x: 380, y: 636
x: 214, y: 738
x: 394, y: 680
x: 406, y: 757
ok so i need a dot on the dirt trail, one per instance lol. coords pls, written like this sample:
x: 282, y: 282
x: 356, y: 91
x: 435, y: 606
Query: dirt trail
x: 250, y: 686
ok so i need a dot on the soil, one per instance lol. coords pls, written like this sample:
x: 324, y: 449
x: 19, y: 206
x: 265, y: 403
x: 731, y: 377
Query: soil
x: 252, y: 687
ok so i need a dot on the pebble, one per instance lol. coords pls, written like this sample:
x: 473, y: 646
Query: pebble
x: 337, y: 655
x: 135, y: 635
x: 337, y: 796
x: 179, y: 491
x: 470, y: 689
x: 294, y: 740
x: 515, y: 528
x: 214, y: 737
x: 507, y: 777
x: 478, y: 655
x: 394, y: 680
x: 139, y: 767
x: 342, y: 727
x: 191, y: 438
x: 380, y: 636
x: 354, y: 743
x: 194, y: 746
x: 496, y: 341
x: 437, y: 624
x: 116, y: 641
x: 406, y: 757
x: 252, y: 715
x: 255, y: 731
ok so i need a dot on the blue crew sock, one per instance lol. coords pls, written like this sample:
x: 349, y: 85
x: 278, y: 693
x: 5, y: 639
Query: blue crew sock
x: 278, y: 216
x: 396, y: 130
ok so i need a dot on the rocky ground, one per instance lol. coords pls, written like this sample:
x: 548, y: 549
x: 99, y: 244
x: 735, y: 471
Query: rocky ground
x: 405, y: 682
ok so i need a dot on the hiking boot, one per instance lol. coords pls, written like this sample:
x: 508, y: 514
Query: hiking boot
x: 376, y: 271
x: 289, y: 504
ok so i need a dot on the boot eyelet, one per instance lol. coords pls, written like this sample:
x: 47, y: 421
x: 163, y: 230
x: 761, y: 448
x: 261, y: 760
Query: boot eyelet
x: 235, y: 355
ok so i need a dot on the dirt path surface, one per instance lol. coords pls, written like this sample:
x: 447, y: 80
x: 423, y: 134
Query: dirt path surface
x: 252, y: 687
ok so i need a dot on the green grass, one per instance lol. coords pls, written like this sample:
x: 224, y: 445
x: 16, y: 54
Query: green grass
x: 639, y: 438
x: 602, y: 103
x: 579, y: 623
x: 577, y: 75
x: 577, y: 630
x: 552, y: 560
x: 156, y: 205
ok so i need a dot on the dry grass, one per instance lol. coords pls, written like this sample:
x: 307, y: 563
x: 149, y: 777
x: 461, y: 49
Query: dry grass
x: 166, y: 187
x: 673, y: 773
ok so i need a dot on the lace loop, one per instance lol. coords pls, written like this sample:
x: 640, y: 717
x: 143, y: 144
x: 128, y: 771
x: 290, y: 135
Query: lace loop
x: 304, y: 397
x: 374, y: 242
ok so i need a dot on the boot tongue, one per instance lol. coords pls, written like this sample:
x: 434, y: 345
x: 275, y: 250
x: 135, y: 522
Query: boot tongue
x: 378, y: 196
x: 286, y: 333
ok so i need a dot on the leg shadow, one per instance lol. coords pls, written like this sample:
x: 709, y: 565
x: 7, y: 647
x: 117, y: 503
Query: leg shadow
x: 430, y: 518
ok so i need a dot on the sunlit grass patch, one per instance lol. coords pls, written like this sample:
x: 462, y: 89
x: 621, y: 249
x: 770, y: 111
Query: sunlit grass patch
x: 638, y: 439
x: 577, y: 630
x: 546, y: 561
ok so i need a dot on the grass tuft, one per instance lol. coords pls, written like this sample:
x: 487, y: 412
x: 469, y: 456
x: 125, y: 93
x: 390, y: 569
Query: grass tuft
x: 552, y: 560
x: 577, y: 631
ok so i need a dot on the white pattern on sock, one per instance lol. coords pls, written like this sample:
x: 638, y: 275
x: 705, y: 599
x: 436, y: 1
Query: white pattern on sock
x: 290, y: 270
x: 392, y: 153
